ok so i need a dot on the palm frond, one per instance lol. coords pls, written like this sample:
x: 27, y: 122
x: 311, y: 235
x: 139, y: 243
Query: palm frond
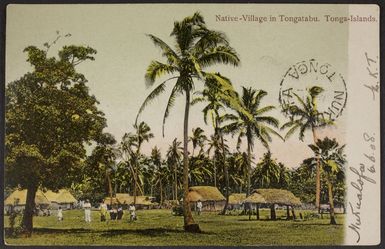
x: 157, y: 69
x: 221, y: 54
x: 156, y: 92
x: 292, y: 130
x: 170, y: 54
x: 170, y: 104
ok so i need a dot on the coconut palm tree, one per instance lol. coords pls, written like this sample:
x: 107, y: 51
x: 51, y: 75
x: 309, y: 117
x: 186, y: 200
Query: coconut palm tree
x: 258, y: 126
x: 196, y: 48
x: 332, y: 160
x: 216, y: 98
x: 143, y: 134
x: 174, y: 155
x: 305, y: 116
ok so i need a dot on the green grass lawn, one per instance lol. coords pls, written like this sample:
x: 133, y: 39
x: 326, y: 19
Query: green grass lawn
x: 159, y: 227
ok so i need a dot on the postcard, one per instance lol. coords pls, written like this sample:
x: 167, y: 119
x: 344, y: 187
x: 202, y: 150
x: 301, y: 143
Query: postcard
x: 192, y: 125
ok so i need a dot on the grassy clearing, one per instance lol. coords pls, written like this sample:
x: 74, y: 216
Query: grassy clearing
x: 159, y: 227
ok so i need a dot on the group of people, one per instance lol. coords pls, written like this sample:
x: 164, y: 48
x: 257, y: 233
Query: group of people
x: 116, y: 213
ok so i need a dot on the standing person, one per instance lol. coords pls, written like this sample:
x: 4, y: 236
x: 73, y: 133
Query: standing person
x: 199, y: 207
x: 103, y: 211
x: 87, y: 211
x: 60, y: 214
x: 132, y: 212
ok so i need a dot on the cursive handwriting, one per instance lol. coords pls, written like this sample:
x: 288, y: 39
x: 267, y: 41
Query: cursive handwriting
x: 373, y: 71
x: 362, y: 177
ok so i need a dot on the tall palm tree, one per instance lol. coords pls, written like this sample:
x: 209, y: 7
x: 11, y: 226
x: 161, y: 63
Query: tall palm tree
x: 332, y: 160
x: 305, y: 116
x: 216, y: 97
x: 196, y: 48
x: 143, y: 134
x: 255, y: 127
x: 174, y: 155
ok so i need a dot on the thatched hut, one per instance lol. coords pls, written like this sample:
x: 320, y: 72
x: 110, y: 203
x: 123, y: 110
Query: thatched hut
x: 17, y: 200
x: 274, y: 197
x: 211, y: 198
x: 63, y: 198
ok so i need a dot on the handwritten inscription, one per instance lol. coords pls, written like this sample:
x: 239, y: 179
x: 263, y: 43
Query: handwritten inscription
x: 373, y: 83
x: 363, y: 173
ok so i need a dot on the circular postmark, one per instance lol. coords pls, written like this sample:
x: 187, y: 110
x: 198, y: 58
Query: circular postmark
x: 300, y: 78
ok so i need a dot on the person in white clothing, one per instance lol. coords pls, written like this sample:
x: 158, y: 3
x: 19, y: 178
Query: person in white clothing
x: 87, y: 211
x: 60, y: 214
x: 132, y: 210
x: 199, y: 207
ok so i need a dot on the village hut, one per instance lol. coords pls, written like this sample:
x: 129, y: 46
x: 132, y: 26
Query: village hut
x: 17, y: 200
x: 274, y: 197
x: 211, y: 198
x: 63, y: 198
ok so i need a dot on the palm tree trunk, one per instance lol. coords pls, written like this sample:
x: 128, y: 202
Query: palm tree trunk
x: 27, y: 222
x: 189, y: 223
x: 215, y: 171
x: 135, y: 181
x: 225, y: 169
x: 248, y: 168
x: 318, y: 177
x: 176, y: 181
x: 331, y: 203
x: 161, y: 191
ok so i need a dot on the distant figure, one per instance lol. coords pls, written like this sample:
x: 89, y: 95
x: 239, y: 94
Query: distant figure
x: 60, y: 214
x: 120, y: 212
x: 87, y: 211
x: 132, y: 212
x: 199, y: 207
x: 113, y: 213
x: 103, y: 211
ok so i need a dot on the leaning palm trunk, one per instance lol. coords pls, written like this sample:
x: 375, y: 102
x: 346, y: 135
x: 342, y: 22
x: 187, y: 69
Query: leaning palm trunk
x: 318, y: 177
x: 331, y: 203
x: 176, y: 181
x: 226, y: 171
x: 248, y: 169
x: 189, y: 223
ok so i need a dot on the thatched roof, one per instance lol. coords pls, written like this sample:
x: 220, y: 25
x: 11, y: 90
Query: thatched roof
x: 107, y: 200
x: 63, y: 196
x: 21, y: 196
x: 236, y: 199
x: 205, y: 193
x: 123, y: 198
x: 255, y: 198
x: 274, y: 196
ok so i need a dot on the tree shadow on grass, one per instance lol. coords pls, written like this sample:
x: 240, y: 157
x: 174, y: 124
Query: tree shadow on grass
x: 153, y: 232
x: 64, y: 230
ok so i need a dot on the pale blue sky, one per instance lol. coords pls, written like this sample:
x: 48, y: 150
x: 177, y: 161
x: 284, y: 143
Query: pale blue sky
x: 116, y: 77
